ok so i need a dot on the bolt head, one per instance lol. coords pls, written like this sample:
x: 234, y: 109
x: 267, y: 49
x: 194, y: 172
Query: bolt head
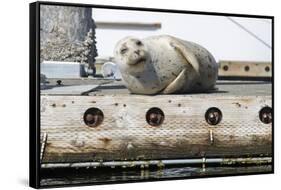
x: 93, y: 117
x: 155, y: 117
x: 265, y: 115
x: 213, y: 116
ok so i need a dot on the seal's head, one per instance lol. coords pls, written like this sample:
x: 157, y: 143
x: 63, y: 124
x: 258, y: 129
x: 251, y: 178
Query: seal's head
x: 131, y: 55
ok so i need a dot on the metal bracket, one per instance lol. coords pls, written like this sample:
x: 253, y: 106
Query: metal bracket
x: 43, y: 146
x: 203, y: 164
x: 211, y: 136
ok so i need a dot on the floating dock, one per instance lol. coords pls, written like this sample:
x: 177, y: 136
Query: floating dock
x: 90, y: 120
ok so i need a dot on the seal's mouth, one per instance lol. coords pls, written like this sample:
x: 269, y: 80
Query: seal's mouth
x: 140, y: 61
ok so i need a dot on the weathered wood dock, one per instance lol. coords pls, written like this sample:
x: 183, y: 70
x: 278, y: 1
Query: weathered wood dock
x: 89, y: 120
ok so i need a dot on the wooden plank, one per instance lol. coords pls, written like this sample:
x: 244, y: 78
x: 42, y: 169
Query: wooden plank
x: 125, y: 134
x: 66, y: 90
x: 223, y: 88
x: 109, y: 86
x: 66, y: 86
x: 162, y: 163
x: 128, y: 25
x: 245, y: 69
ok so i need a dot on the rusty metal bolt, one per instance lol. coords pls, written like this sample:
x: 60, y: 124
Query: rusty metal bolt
x: 265, y: 115
x: 225, y: 68
x: 155, y: 116
x: 267, y: 69
x: 93, y: 117
x: 213, y: 116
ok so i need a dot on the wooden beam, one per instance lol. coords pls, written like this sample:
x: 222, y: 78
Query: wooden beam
x: 124, y: 133
x: 245, y: 69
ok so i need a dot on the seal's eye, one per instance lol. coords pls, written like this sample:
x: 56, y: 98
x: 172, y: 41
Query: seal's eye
x: 138, y: 43
x: 124, y: 50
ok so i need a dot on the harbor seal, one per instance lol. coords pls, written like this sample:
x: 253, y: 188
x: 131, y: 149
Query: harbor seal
x: 165, y: 64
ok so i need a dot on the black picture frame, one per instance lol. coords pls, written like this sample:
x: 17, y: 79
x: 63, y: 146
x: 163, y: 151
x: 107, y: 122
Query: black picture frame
x: 34, y: 83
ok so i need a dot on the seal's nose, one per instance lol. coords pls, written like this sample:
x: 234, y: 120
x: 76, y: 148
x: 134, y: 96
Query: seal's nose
x: 137, y: 52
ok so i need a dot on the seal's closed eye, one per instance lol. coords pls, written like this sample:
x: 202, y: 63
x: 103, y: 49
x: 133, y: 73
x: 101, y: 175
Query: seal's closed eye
x: 123, y: 50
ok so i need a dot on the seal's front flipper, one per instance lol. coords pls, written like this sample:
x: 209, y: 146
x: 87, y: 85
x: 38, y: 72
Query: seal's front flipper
x: 187, y: 54
x: 177, y: 85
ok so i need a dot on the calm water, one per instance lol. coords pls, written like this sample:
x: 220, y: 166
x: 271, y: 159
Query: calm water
x: 65, y: 176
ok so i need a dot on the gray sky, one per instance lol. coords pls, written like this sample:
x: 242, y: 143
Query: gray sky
x: 224, y: 39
